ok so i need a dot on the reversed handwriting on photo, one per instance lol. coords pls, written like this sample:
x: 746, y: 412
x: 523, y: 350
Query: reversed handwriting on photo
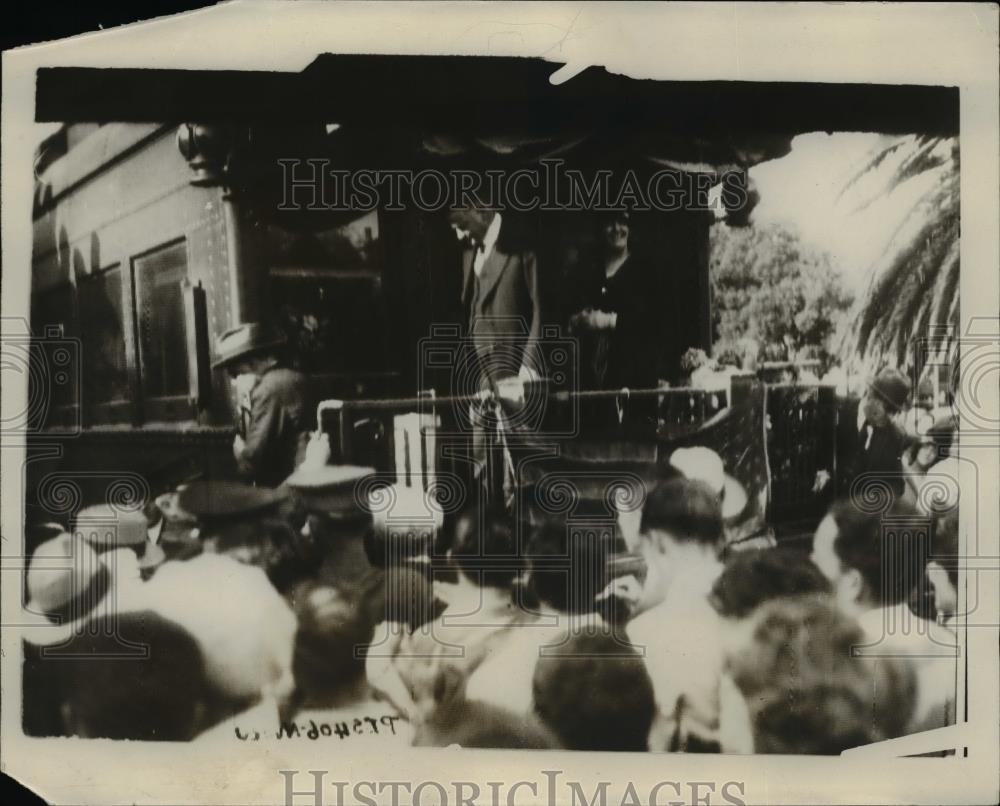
x: 313, y: 730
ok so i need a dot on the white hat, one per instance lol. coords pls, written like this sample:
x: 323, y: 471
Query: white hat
x: 69, y: 582
x: 66, y: 582
x: 704, y: 464
x: 107, y: 527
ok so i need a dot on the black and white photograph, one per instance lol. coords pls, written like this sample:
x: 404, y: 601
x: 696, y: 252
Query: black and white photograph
x: 402, y: 401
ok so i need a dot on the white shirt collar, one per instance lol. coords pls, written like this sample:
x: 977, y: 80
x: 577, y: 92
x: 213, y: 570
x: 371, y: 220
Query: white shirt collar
x: 492, y: 233
x: 489, y: 242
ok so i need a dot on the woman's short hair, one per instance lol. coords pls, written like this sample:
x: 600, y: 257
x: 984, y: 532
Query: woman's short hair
x: 807, y: 692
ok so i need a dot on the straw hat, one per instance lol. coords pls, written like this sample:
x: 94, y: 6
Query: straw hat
x: 243, y: 341
x: 66, y: 581
x: 107, y: 528
x: 705, y: 465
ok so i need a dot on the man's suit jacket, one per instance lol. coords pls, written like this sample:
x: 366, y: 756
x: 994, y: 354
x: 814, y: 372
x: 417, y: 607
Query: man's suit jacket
x: 882, y: 458
x: 281, y: 415
x: 504, y: 312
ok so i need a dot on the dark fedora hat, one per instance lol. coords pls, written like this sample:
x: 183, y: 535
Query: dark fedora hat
x: 227, y: 500
x: 243, y: 341
x: 891, y: 387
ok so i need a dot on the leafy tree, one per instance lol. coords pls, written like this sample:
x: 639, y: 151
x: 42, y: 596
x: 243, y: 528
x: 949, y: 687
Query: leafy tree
x: 771, y: 288
x: 913, y: 287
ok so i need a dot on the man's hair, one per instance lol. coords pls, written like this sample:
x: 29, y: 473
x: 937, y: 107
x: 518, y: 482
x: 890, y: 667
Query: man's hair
x: 595, y: 695
x: 331, y: 640
x: 806, y: 693
x: 687, y: 509
x: 569, y: 562
x: 885, y: 549
x: 113, y: 696
x: 751, y: 578
x: 486, y: 549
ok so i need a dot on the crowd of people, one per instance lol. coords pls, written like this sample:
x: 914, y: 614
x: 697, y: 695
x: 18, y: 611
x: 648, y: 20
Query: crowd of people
x: 230, y: 612
x: 289, y: 607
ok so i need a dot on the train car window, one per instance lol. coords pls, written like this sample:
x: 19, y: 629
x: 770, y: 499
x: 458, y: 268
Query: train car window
x: 55, y: 357
x: 163, y: 368
x: 102, y: 330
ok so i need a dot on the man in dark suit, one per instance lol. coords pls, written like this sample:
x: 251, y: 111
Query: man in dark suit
x: 501, y: 295
x: 276, y: 405
x: 880, y: 442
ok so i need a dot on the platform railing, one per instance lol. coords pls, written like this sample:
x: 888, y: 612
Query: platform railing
x: 403, y: 437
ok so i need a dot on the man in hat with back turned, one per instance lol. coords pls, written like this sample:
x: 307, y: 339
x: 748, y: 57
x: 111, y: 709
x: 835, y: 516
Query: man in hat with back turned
x: 276, y: 406
x: 337, y: 520
x: 880, y: 441
x: 251, y: 525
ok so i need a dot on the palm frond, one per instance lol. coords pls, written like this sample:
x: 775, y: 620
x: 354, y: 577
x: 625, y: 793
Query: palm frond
x: 909, y: 287
x: 871, y: 165
x: 924, y: 158
x: 913, y: 285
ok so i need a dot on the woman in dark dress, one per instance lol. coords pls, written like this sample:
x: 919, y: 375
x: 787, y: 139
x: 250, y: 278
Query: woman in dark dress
x: 615, y: 321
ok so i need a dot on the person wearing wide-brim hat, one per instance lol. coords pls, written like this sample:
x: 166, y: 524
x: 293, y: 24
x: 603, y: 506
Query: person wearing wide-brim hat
x: 339, y: 522
x: 68, y: 580
x: 880, y: 441
x: 123, y: 535
x: 704, y: 464
x: 275, y: 403
x: 252, y: 525
x: 225, y: 511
